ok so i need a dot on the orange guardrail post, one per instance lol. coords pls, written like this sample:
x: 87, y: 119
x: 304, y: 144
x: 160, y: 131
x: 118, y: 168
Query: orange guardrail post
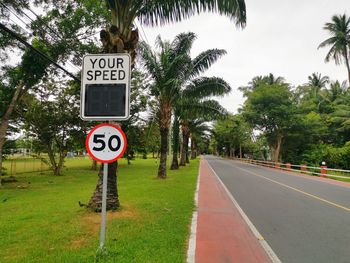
x: 303, y: 168
x: 288, y: 166
x: 277, y: 165
x: 323, y: 170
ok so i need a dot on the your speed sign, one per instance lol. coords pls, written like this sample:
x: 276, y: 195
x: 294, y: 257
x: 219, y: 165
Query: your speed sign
x: 106, y: 143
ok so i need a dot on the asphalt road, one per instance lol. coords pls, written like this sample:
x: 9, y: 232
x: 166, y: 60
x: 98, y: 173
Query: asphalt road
x: 302, y: 220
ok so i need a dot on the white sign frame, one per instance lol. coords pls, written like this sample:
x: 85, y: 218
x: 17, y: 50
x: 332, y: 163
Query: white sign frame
x: 84, y: 81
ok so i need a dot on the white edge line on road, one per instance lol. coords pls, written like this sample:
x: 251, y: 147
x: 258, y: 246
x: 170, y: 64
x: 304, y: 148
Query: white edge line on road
x: 191, y: 252
x: 256, y: 233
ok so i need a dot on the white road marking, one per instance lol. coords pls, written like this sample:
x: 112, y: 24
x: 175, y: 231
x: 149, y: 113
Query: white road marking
x: 296, y: 189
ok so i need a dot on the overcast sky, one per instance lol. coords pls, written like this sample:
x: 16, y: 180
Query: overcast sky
x: 281, y: 37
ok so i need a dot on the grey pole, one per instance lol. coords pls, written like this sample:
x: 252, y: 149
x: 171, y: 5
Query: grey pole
x: 104, y: 201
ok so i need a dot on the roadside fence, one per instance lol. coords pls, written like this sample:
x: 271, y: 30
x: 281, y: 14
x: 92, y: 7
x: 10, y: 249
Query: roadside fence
x: 322, y: 171
x: 15, y: 166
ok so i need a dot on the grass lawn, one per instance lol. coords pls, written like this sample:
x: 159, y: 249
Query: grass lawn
x: 42, y: 221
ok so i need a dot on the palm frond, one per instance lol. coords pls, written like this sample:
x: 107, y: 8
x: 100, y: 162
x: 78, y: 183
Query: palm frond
x: 205, y: 87
x: 183, y: 42
x: 149, y: 61
x: 205, y: 59
x: 198, y: 127
x: 158, y: 12
x: 208, y: 110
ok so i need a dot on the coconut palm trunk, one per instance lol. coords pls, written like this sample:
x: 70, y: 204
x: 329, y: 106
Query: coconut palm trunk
x: 185, y: 136
x: 164, y: 124
x: 346, y: 56
x: 112, y: 191
x: 193, y: 148
x: 176, y: 131
x: 187, y: 151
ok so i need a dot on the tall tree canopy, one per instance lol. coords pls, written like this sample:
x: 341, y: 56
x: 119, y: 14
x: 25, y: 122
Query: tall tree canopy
x: 269, y: 108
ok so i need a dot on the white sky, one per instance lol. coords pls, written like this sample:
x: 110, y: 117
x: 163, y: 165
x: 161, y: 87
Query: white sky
x: 281, y: 37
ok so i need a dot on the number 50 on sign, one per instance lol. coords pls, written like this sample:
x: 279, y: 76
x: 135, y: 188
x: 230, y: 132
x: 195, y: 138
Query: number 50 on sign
x: 106, y: 143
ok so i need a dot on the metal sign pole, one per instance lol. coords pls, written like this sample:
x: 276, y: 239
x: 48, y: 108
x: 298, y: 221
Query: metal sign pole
x: 105, y: 143
x: 104, y: 201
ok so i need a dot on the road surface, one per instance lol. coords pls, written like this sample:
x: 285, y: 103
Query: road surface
x: 303, y: 220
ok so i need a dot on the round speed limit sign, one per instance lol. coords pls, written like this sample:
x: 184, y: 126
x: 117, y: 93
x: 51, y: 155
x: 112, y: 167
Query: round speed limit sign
x: 106, y: 143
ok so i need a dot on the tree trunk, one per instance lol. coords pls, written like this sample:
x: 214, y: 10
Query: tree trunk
x: 187, y: 152
x: 94, y: 165
x: 240, y: 151
x: 276, y: 149
x: 232, y: 152
x: 176, y: 131
x: 6, y: 118
x: 193, y: 149
x: 95, y: 202
x: 163, y: 153
x: 164, y: 124
x: 347, y: 63
x: 184, y: 150
x: 61, y: 162
x: 175, y: 162
x: 52, y: 159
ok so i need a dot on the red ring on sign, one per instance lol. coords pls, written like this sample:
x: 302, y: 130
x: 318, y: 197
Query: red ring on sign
x: 91, y: 132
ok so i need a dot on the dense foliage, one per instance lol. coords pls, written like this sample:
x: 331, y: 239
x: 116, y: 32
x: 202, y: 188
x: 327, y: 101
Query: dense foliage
x: 310, y: 123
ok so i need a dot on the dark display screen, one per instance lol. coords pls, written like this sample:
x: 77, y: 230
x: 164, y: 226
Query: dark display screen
x: 105, y: 99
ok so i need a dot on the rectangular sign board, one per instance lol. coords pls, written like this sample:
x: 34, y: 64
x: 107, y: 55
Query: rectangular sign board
x: 105, y: 87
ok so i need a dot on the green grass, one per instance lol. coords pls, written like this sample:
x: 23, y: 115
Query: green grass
x: 42, y: 222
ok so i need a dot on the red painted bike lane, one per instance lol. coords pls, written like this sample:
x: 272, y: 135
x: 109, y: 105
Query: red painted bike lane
x: 222, y: 233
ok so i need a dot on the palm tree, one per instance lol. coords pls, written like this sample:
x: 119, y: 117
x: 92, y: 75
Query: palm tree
x: 339, y: 41
x: 260, y: 80
x: 199, y: 130
x: 121, y: 36
x: 196, y: 103
x: 337, y: 92
x: 314, y: 89
x: 272, y: 80
x: 167, y: 68
x: 195, y: 90
x: 317, y: 80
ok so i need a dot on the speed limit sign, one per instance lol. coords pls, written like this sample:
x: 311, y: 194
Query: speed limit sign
x: 106, y: 143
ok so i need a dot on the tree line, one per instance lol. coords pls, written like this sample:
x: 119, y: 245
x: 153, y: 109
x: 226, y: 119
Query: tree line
x: 305, y: 124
